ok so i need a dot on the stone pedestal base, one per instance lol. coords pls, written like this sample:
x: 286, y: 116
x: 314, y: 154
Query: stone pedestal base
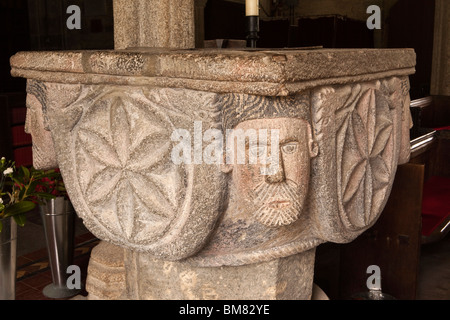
x: 279, y: 279
x: 106, y: 273
x: 141, y: 277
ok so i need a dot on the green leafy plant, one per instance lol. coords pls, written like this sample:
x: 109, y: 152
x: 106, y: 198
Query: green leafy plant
x: 21, y: 189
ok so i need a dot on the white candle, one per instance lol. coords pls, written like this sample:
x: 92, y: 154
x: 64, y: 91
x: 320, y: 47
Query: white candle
x: 252, y: 7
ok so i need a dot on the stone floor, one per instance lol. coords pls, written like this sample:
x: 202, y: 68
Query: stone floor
x: 33, y: 271
x: 34, y: 274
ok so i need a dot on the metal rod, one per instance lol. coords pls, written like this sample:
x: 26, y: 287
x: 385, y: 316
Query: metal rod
x: 58, y: 219
x: 8, y: 247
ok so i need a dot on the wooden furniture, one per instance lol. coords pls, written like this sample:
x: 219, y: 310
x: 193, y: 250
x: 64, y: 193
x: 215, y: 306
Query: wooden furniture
x: 393, y: 244
x: 434, y: 117
x: 334, y: 31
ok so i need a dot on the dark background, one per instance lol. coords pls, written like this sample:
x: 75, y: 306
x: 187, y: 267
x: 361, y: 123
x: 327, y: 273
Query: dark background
x: 41, y: 25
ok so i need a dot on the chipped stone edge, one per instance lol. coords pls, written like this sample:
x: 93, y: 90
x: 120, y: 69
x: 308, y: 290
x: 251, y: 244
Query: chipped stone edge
x: 254, y: 88
x: 270, y: 73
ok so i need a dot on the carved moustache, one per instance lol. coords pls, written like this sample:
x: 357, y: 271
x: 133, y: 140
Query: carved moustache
x: 279, y: 203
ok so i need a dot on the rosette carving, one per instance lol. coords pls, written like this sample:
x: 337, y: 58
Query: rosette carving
x: 123, y: 149
x: 365, y: 153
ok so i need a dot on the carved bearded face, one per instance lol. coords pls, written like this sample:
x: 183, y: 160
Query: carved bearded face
x: 276, y: 197
x: 44, y: 156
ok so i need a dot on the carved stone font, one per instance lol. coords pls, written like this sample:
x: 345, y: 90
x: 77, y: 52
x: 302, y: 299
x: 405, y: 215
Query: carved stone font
x: 327, y: 143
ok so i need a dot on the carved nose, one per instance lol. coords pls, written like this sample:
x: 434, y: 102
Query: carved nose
x: 279, y: 175
x: 276, y: 178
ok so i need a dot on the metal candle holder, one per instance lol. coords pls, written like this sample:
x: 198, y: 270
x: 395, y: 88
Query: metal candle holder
x: 252, y: 31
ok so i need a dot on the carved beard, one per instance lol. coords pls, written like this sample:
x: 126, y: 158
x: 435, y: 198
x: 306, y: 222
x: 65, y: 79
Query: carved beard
x: 44, y: 156
x: 278, y: 204
x: 44, y: 159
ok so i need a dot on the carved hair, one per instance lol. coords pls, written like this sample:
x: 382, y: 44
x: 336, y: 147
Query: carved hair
x: 39, y: 90
x: 238, y: 108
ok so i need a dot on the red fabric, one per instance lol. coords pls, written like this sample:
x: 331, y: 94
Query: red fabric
x: 23, y: 157
x: 20, y: 137
x: 442, y: 128
x: 18, y: 115
x: 435, y: 203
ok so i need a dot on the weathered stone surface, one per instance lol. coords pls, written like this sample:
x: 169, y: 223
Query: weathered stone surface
x: 44, y: 156
x: 106, y: 273
x: 107, y: 278
x: 343, y: 127
x: 371, y: 121
x: 166, y: 24
x: 120, y: 173
x: 114, y: 148
x: 267, y: 73
x: 288, y: 278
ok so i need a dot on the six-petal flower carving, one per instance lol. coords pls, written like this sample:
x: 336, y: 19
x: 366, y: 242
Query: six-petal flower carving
x: 130, y: 179
x: 366, y: 137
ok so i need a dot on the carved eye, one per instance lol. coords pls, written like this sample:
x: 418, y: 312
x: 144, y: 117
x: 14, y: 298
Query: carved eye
x: 290, y: 148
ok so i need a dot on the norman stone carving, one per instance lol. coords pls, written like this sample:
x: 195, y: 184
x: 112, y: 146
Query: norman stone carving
x: 273, y: 198
x: 265, y: 216
x: 44, y: 156
x: 365, y: 149
x: 333, y: 138
x: 132, y: 193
